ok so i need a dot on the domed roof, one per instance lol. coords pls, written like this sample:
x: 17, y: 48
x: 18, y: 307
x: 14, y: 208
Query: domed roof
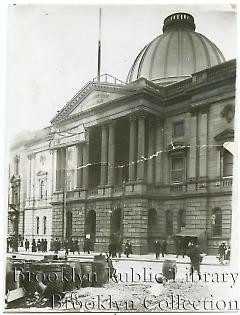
x: 175, y: 54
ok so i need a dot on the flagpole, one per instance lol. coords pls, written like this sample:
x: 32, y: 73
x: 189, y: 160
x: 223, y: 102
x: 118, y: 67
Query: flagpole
x: 99, y: 45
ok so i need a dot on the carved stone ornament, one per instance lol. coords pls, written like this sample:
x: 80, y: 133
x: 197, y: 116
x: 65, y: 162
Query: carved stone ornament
x: 42, y: 159
x: 228, y: 113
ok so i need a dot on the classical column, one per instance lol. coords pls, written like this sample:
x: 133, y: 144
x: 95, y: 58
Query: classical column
x: 111, y: 153
x: 193, y: 146
x: 85, y: 168
x: 29, y: 175
x: 74, y: 165
x: 58, y: 156
x: 104, y: 149
x: 151, y: 150
x: 159, y: 148
x: 203, y: 139
x: 79, y: 165
x: 141, y: 147
x: 33, y: 188
x: 132, y: 148
x: 53, y: 154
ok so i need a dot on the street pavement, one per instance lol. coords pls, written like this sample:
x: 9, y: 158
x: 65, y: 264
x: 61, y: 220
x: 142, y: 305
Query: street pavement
x: 207, y: 259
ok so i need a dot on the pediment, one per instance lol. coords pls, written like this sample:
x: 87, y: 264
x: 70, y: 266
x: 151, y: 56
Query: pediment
x: 227, y: 134
x: 93, y: 99
x: 90, y: 96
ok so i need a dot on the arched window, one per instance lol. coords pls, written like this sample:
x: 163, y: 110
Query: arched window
x: 42, y: 189
x: 152, y: 217
x: 37, y: 225
x: 169, y: 222
x: 44, y: 225
x: 181, y: 219
x: 216, y: 222
x: 227, y: 163
x: 69, y: 223
x: 91, y: 222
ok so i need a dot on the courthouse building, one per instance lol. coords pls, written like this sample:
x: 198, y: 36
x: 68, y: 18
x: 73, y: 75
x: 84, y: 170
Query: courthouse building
x: 142, y: 160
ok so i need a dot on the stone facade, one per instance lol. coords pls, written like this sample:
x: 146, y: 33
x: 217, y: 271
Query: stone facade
x: 142, y: 161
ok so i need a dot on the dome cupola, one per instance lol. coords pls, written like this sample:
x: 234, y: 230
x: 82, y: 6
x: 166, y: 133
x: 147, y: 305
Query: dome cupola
x: 175, y: 54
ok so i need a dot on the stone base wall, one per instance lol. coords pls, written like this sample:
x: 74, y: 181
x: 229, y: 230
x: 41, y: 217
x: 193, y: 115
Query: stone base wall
x: 135, y: 220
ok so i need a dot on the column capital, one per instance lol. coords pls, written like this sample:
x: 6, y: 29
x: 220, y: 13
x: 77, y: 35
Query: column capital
x: 132, y: 117
x: 141, y: 114
x: 204, y: 109
x: 193, y: 112
x: 112, y: 123
x: 31, y: 156
x: 159, y: 121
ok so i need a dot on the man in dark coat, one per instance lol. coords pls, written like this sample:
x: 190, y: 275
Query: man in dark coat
x: 87, y: 245
x: 157, y: 248
x: 76, y: 246
x: 222, y: 252
x: 128, y: 248
x: 195, y: 257
x: 27, y: 245
x: 34, y: 246
x: 164, y: 247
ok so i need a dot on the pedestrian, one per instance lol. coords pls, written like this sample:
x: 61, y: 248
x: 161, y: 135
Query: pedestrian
x: 228, y: 254
x: 157, y: 248
x: 222, y: 252
x: 76, y: 246
x: 39, y: 245
x: 180, y: 247
x: 196, y: 258
x: 86, y: 245
x: 164, y: 247
x: 45, y: 245
x: 42, y: 245
x: 55, y: 246
x: 119, y: 248
x: 34, y: 246
x: 128, y: 248
x: 66, y: 246
x: 27, y: 245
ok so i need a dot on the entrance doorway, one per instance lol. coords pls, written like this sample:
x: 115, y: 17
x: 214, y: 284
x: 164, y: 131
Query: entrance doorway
x: 90, y: 226
x: 116, y: 225
x: 152, y: 228
x: 68, y: 224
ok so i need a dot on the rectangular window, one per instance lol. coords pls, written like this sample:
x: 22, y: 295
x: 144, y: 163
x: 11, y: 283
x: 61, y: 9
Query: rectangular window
x: 227, y: 164
x: 178, y: 128
x: 177, y: 170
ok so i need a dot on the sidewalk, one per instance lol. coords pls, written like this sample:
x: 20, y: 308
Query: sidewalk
x: 207, y: 260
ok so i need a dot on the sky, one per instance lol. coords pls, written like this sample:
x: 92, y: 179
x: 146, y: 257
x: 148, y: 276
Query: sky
x: 52, y: 50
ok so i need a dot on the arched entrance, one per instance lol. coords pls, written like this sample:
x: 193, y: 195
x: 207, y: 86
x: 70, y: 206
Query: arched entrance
x: 90, y: 225
x: 116, y: 224
x: 152, y: 228
x: 68, y: 224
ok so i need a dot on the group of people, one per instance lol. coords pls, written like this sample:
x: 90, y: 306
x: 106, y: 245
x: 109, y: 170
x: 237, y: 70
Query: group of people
x: 115, y: 248
x: 160, y: 247
x: 70, y: 245
x: 191, y: 249
x: 224, y: 252
x: 39, y: 246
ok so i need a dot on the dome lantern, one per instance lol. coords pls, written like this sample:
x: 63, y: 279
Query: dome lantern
x: 177, y: 20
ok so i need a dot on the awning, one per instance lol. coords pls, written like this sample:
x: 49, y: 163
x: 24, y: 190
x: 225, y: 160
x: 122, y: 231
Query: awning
x: 192, y: 233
